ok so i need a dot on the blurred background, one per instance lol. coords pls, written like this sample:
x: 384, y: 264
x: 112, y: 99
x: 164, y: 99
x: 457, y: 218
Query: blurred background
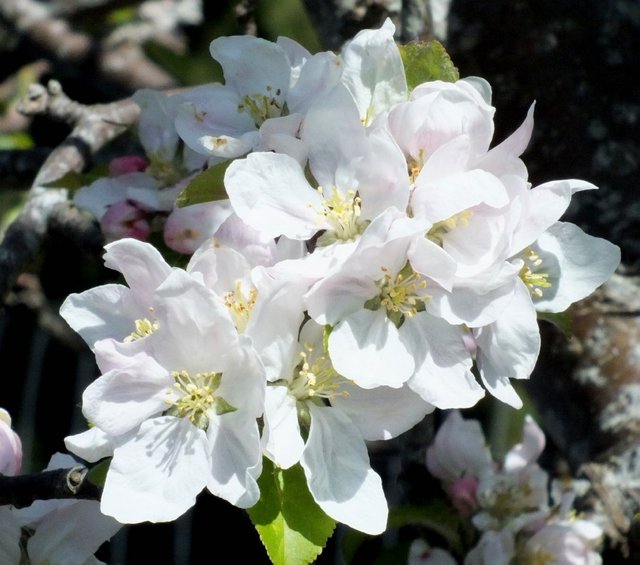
x: 576, y: 60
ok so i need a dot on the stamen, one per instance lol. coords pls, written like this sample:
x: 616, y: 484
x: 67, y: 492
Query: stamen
x: 240, y: 305
x: 196, y: 397
x: 343, y: 215
x: 535, y: 281
x: 144, y: 327
x: 440, y: 229
x: 261, y: 107
x: 403, y: 294
x: 316, y: 378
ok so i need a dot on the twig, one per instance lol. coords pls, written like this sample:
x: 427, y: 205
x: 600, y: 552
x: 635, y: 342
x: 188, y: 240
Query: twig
x: 246, y: 16
x: 23, y: 490
x: 93, y: 127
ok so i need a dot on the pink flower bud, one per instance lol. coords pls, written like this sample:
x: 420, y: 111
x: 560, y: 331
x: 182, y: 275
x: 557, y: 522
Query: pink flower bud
x: 463, y: 495
x: 125, y: 219
x: 10, y: 446
x: 127, y: 164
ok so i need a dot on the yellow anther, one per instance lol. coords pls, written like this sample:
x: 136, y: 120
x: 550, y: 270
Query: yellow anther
x: 144, y: 327
x: 240, y: 305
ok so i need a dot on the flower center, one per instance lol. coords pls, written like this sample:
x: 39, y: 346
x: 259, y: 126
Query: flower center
x: 261, y: 107
x: 240, y: 305
x: 535, y: 281
x: 400, y: 295
x: 343, y: 215
x: 316, y: 378
x: 193, y: 397
x: 440, y: 229
x: 144, y: 327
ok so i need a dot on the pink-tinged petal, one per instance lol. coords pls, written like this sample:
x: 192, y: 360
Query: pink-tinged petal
x: 91, y: 445
x: 10, y: 447
x: 282, y: 441
x: 459, y: 449
x: 236, y: 458
x: 443, y: 365
x: 187, y: 228
x: 123, y: 398
x: 526, y: 453
x: 141, y: 264
x: 71, y: 534
x: 382, y: 413
x: 577, y: 264
x: 367, y: 349
x: 269, y: 192
x: 156, y: 475
x: 339, y: 475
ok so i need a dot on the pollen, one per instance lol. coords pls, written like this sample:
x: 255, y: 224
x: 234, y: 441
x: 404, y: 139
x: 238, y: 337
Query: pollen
x: 440, y: 229
x: 316, y: 378
x: 193, y: 397
x: 535, y: 282
x: 403, y: 293
x: 342, y: 212
x: 144, y: 327
x: 240, y: 305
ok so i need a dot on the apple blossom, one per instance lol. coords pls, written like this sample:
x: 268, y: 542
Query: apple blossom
x: 10, y: 446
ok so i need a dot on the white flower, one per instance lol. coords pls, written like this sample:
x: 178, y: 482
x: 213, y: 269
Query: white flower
x: 263, y: 87
x: 358, y: 174
x: 310, y: 399
x: 180, y: 415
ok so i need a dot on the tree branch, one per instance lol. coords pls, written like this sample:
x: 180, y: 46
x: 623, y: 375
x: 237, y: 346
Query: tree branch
x: 23, y: 490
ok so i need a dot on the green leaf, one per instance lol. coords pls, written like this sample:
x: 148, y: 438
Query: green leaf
x: 98, y: 473
x: 74, y: 181
x: 428, y: 61
x: 562, y: 320
x: 436, y: 515
x: 207, y: 186
x: 292, y: 527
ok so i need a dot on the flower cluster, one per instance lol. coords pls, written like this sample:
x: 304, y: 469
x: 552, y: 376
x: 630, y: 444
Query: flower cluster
x: 373, y: 258
x: 507, y: 503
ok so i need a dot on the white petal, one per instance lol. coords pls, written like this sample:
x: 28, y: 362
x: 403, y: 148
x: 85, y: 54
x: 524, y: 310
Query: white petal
x: 71, y: 534
x: 141, y: 264
x: 107, y: 311
x: 366, y: 348
x: 270, y: 193
x: 122, y: 399
x: 527, y: 452
x: 340, y: 478
x: 236, y: 458
x: 382, y: 412
x: 156, y: 475
x: 576, y: 262
x: 509, y: 347
x: 252, y: 65
x: 91, y: 445
x: 282, y: 441
x: 443, y: 365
